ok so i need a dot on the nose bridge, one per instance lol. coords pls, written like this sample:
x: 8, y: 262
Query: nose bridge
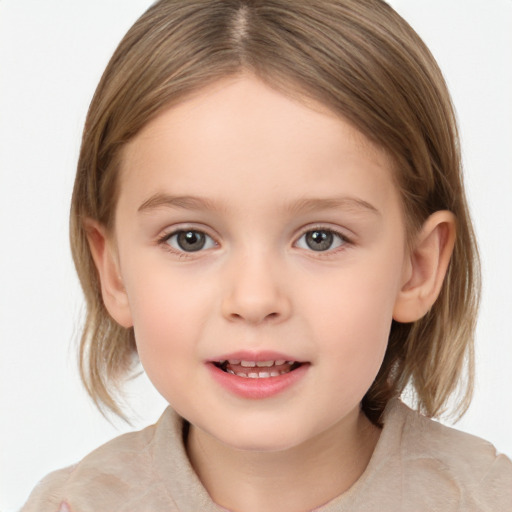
x: 255, y: 290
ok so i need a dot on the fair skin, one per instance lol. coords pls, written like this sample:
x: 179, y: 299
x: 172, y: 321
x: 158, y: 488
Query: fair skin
x: 250, y: 221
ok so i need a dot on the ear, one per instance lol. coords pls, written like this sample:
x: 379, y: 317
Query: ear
x: 426, y: 267
x: 106, y: 260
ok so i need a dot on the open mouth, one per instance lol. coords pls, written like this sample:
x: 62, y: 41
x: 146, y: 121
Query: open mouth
x: 257, y: 369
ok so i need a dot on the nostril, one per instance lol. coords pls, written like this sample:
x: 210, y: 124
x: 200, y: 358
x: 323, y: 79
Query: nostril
x: 269, y: 316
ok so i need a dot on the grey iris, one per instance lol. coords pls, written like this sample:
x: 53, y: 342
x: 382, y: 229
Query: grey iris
x: 191, y: 241
x: 319, y: 240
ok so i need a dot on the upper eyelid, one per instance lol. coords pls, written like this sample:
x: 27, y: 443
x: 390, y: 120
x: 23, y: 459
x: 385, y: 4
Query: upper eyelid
x: 324, y: 227
x: 166, y: 233
x: 333, y: 231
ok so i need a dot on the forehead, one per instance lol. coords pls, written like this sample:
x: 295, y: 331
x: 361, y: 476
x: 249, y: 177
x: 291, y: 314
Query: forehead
x: 241, y: 134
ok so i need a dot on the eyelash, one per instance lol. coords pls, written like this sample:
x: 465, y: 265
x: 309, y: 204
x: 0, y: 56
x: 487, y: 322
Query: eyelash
x: 343, y: 239
x: 164, y: 241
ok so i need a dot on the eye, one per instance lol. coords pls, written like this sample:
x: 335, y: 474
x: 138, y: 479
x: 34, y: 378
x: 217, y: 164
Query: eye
x: 321, y: 240
x: 189, y: 240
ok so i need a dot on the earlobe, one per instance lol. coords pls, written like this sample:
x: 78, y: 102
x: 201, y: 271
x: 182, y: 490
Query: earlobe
x: 426, y: 267
x: 107, y: 264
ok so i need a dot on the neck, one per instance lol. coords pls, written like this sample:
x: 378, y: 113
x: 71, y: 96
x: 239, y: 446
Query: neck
x: 298, y: 479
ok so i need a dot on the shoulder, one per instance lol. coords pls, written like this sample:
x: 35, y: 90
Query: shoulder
x: 45, y: 495
x: 119, y: 470
x: 469, y: 469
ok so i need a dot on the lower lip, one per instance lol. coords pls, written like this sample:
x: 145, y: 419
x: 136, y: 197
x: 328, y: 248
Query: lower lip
x: 257, y: 389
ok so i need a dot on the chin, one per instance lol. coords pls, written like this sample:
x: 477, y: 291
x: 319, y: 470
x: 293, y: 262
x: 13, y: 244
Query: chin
x: 262, y: 437
x: 261, y: 445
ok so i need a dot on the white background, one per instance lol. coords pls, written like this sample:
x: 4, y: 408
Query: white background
x: 52, y: 54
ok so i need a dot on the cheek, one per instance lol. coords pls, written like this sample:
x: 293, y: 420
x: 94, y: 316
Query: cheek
x: 353, y: 322
x: 168, y: 316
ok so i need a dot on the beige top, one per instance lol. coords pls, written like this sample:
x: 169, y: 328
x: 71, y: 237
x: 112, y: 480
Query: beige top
x: 418, y: 465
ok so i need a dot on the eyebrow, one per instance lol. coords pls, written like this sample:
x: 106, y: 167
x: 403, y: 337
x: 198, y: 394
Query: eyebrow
x: 185, y: 202
x: 304, y: 205
x: 307, y: 205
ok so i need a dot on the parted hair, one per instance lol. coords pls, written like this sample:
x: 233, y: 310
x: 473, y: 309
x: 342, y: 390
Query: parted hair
x: 365, y: 63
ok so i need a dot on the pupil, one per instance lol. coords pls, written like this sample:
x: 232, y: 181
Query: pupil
x: 319, y: 240
x: 191, y: 241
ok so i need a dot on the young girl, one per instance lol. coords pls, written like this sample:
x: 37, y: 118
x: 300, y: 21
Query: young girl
x: 269, y: 213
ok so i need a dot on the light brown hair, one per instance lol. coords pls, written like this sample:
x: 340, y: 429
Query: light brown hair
x: 361, y: 60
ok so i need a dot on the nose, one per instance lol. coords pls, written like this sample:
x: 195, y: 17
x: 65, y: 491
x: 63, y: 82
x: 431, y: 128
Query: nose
x: 255, y: 292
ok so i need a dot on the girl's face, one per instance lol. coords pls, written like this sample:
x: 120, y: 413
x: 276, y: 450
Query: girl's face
x: 253, y: 230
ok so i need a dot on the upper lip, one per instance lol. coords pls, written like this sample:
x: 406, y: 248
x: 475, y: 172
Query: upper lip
x: 256, y: 356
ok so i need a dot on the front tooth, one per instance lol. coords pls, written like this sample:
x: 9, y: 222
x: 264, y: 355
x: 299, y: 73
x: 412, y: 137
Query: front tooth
x: 264, y: 363
x: 264, y: 375
x: 248, y: 364
x: 253, y: 375
x: 280, y: 362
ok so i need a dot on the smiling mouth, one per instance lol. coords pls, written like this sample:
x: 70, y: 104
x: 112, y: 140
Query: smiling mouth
x: 257, y: 369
